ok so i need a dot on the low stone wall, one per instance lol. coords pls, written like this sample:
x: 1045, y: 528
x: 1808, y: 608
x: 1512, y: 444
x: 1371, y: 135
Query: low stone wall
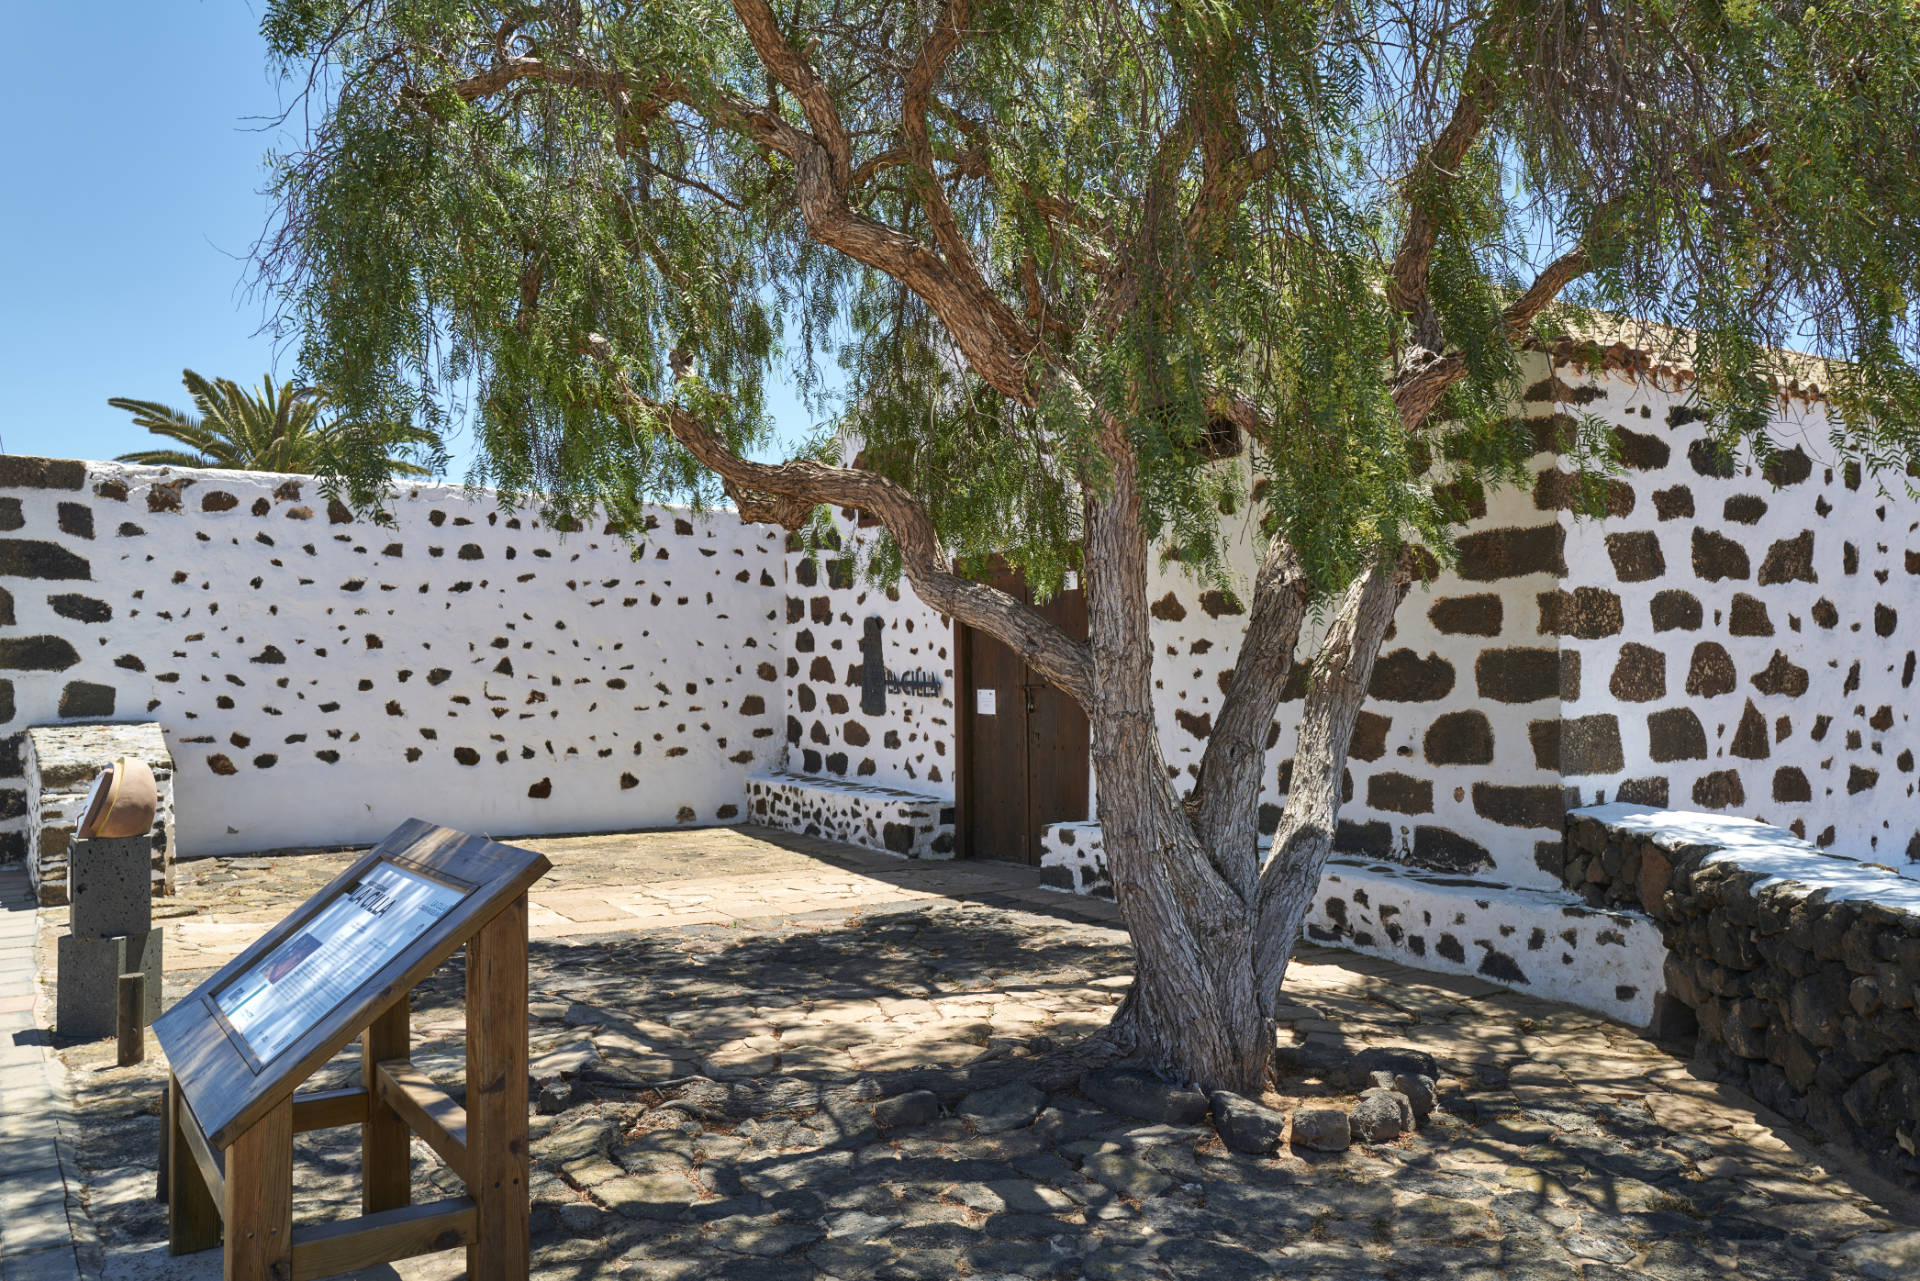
x: 1801, y: 969
x: 910, y: 824
x: 61, y: 762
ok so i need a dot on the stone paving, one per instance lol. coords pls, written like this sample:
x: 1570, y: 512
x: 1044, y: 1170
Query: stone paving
x: 36, y: 1239
x: 730, y: 1029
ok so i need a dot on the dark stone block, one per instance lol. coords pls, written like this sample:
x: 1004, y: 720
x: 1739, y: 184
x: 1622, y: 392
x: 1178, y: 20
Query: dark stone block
x: 18, y: 471
x: 1789, y: 560
x: 1787, y: 467
x: 1369, y: 740
x: 1675, y: 610
x: 1640, y: 451
x: 1711, y: 672
x: 1719, y: 790
x: 1138, y: 1093
x: 1642, y: 791
x: 1885, y: 620
x: 1588, y: 613
x: 1556, y: 490
x: 1710, y: 458
x: 1539, y: 806
x: 1750, y: 737
x: 1781, y: 677
x: 76, y: 519
x: 83, y: 700
x: 1476, y: 615
x: 1168, y: 609
x: 1675, y: 503
x: 1441, y: 849
x: 1401, y: 793
x: 6, y: 608
x: 1374, y: 840
x: 1459, y: 738
x: 1636, y: 556
x: 1578, y: 745
x: 1509, y: 553
x: 1744, y: 509
x: 6, y: 701
x: 37, y: 653
x: 1517, y: 675
x: 1639, y: 674
x: 81, y: 609
x: 1716, y: 556
x: 1404, y: 677
x: 1676, y: 735
x: 1861, y: 779
x: 10, y: 515
x: 30, y: 558
x: 1748, y: 617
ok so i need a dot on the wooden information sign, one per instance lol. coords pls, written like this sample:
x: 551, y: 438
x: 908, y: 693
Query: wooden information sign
x: 342, y: 967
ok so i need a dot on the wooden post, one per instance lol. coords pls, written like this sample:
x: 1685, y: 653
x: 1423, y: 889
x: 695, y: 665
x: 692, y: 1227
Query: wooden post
x: 193, y: 1216
x: 386, y: 1148
x: 497, y: 1096
x: 127, y: 1019
x: 259, y: 1193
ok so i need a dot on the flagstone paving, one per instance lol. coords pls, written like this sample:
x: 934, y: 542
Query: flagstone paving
x: 715, y: 1014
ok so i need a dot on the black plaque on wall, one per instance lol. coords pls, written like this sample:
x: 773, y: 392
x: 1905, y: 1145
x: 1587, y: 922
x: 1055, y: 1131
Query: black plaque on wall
x: 873, y: 672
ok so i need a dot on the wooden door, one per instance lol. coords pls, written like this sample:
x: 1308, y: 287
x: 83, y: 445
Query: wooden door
x: 1023, y: 744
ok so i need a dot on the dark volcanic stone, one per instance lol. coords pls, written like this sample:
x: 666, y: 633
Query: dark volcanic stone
x: 1636, y: 556
x: 1640, y: 674
x: 1508, y: 553
x: 1640, y: 451
x: 1404, y: 677
x: 37, y: 653
x: 1373, y: 839
x: 1711, y: 672
x: 1676, y: 735
x: 1322, y: 1130
x: 20, y: 471
x: 1247, y: 1126
x: 1748, y: 617
x: 1716, y: 556
x: 1401, y: 793
x: 1139, y: 1093
x: 1476, y: 615
x: 1781, y: 677
x: 1675, y: 610
x: 1711, y: 459
x: 1744, y: 509
x: 1750, y: 737
x: 1459, y: 738
x: 1005, y: 1107
x: 916, y: 1107
x: 1312, y: 1058
x: 1586, y: 612
x: 1789, y: 560
x: 1369, y: 741
x: 1540, y: 806
x: 1441, y: 849
x: 1381, y: 1116
x: 31, y: 558
x: 1673, y: 504
x: 1578, y: 745
x: 1719, y: 790
x: 1517, y: 675
x: 86, y: 700
x: 1790, y: 785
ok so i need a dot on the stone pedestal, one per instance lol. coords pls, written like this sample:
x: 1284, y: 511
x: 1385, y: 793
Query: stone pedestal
x: 61, y: 762
x: 87, y: 985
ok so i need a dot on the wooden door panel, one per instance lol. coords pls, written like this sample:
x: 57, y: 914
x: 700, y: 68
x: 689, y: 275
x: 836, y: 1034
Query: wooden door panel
x: 1057, y: 737
x: 996, y: 766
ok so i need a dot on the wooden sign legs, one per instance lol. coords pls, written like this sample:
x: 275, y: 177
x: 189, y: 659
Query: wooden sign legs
x: 247, y: 1189
x: 497, y: 1096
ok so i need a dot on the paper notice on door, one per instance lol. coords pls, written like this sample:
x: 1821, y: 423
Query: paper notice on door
x: 984, y: 702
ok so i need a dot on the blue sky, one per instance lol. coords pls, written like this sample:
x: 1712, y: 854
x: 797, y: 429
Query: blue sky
x: 132, y: 200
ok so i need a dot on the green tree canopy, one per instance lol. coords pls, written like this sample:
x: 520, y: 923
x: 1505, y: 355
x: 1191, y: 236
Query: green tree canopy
x: 274, y: 428
x: 1056, y: 248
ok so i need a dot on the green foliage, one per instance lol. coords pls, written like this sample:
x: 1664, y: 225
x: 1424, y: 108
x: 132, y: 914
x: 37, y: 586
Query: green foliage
x: 274, y: 428
x: 1743, y: 177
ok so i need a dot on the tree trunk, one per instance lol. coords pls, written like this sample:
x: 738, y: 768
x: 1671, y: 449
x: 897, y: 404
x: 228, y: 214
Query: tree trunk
x: 1194, y: 1007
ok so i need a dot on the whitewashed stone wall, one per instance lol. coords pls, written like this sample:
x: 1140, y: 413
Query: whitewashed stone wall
x: 319, y: 678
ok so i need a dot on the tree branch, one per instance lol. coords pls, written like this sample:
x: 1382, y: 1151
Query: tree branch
x: 1236, y: 751
x: 1342, y: 670
x: 786, y: 494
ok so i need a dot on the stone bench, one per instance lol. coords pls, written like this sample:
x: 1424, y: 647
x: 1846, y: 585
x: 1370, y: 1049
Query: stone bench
x: 910, y: 824
x: 61, y: 763
x: 1799, y: 968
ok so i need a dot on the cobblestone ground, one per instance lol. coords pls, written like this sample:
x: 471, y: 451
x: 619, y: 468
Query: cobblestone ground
x: 715, y: 1013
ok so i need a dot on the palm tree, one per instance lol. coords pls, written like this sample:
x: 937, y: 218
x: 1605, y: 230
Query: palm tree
x: 276, y: 428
